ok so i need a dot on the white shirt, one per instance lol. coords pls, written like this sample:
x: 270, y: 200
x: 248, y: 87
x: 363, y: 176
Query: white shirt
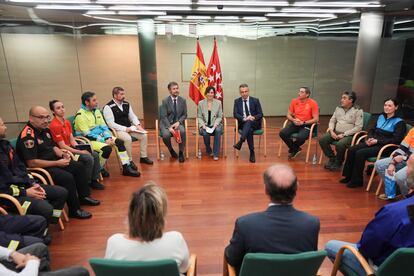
x: 248, y: 107
x: 170, y: 246
x: 31, y: 268
x: 110, y: 120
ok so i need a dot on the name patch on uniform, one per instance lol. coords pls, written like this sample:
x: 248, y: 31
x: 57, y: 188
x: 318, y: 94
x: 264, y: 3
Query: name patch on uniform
x: 48, y: 135
x: 29, y: 144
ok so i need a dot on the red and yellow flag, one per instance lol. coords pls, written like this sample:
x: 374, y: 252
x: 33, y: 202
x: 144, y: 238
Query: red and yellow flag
x: 214, y: 75
x: 198, y: 82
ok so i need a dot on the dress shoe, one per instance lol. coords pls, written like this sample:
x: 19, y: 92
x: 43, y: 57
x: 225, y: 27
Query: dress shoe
x: 47, y: 238
x: 345, y: 180
x: 238, y: 145
x: 128, y: 171
x: 89, y: 201
x: 181, y: 158
x: 96, y: 185
x: 104, y: 173
x: 335, y: 167
x: 252, y: 158
x: 80, y: 214
x: 353, y: 185
x: 173, y: 154
x: 330, y: 163
x: 132, y: 164
x: 293, y: 153
x: 146, y: 160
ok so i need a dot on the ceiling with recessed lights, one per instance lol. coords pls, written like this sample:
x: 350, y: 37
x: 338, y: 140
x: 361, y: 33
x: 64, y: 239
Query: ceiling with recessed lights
x: 206, y: 10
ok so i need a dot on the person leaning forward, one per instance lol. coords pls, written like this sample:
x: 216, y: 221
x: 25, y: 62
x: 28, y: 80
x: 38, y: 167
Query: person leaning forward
x: 37, y: 199
x: 36, y: 147
x: 173, y: 113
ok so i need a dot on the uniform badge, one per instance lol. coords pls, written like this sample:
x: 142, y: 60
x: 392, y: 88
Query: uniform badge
x: 29, y: 144
x: 39, y: 141
x: 48, y: 135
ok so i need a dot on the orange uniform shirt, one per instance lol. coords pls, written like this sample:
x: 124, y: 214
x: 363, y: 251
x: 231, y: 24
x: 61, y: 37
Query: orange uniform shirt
x: 303, y: 111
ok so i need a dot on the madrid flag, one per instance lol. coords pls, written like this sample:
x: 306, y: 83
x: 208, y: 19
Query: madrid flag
x: 214, y: 73
x: 198, y: 82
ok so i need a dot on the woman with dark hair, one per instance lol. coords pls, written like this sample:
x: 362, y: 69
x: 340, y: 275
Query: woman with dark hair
x: 146, y: 239
x: 62, y: 134
x: 209, y: 116
x: 389, y: 129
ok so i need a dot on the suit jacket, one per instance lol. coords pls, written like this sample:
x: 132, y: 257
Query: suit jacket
x: 167, y: 111
x: 254, y: 107
x: 280, y: 229
x: 216, y: 112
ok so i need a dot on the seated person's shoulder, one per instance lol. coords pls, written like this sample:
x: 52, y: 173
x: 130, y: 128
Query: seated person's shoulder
x: 307, y: 218
x: 173, y: 235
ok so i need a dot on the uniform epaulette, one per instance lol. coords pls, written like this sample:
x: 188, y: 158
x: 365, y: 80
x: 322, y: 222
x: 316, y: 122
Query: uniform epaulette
x: 112, y: 105
x: 27, y: 131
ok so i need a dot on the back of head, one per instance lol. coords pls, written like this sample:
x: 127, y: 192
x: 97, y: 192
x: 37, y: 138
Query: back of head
x: 147, y: 211
x: 280, y: 183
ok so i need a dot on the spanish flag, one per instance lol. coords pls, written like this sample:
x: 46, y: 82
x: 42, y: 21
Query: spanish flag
x: 199, y: 81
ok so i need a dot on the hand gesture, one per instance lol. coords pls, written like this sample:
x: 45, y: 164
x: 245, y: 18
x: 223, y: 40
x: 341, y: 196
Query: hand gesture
x: 63, y: 162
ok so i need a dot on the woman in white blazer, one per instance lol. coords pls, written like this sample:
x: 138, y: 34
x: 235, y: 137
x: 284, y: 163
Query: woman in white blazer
x: 210, y: 116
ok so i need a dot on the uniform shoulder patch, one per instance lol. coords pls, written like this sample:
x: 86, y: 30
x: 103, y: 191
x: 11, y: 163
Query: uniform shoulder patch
x: 29, y: 144
x: 27, y: 131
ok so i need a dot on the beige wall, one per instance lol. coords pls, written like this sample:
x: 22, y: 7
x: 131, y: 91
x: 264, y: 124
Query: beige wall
x: 49, y: 69
x: 42, y: 67
x: 109, y: 61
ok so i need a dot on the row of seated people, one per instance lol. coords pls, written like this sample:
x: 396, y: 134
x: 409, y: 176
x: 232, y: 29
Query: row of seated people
x: 279, y: 229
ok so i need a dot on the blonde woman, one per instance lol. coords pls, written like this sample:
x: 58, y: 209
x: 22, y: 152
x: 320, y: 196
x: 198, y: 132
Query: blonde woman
x: 146, y: 239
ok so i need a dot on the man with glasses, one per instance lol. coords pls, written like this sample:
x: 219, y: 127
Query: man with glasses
x: 36, y: 147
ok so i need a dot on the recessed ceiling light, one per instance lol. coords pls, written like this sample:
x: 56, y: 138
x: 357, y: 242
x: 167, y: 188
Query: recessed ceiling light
x: 70, y: 7
x: 236, y: 9
x: 319, y: 10
x: 244, y: 3
x: 322, y: 15
x: 147, y: 8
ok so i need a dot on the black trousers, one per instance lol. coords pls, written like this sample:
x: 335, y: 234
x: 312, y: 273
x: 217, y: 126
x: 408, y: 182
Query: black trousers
x: 26, y: 230
x: 247, y: 129
x: 355, y: 161
x: 74, y: 179
x: 55, y: 200
x: 302, y: 136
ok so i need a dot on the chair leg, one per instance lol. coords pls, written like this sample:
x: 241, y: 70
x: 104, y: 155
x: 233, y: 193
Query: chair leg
x: 320, y: 158
x: 371, y: 179
x: 65, y: 215
x: 62, y: 227
x: 280, y: 148
x: 158, y: 147
x: 308, y: 150
x: 379, y: 187
x: 265, y: 143
x: 236, y: 136
x: 196, y: 144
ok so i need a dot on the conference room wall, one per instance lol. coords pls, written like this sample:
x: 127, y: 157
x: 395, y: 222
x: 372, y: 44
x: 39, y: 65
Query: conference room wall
x: 49, y: 66
x: 106, y: 61
x: 274, y: 68
x: 7, y: 108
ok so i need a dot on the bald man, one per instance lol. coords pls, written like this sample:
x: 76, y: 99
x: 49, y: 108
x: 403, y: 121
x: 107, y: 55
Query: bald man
x: 279, y: 229
x: 36, y: 147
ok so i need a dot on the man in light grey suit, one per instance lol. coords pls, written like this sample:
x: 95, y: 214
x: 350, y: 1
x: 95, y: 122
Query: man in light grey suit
x: 173, y: 113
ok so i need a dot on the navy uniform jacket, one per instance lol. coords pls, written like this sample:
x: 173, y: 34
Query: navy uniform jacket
x: 280, y: 229
x: 13, y: 174
x: 389, y: 230
x: 255, y: 110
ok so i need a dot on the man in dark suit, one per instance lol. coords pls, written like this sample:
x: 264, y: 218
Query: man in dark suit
x: 279, y: 229
x: 173, y: 113
x: 248, y: 112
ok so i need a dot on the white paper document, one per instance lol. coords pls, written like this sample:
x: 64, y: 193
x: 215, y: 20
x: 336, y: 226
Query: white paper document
x: 134, y: 129
x: 210, y: 130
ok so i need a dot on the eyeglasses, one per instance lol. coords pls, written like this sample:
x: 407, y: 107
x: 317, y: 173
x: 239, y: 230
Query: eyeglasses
x: 42, y: 117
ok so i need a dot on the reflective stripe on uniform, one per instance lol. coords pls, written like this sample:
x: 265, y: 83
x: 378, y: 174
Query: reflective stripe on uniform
x: 13, y: 245
x: 15, y: 190
x: 25, y: 206
x: 57, y: 213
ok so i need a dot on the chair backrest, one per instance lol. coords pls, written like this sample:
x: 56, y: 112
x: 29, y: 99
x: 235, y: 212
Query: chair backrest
x: 366, y: 118
x: 108, y: 267
x: 265, y: 264
x: 13, y: 142
x: 399, y: 263
x: 71, y: 119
